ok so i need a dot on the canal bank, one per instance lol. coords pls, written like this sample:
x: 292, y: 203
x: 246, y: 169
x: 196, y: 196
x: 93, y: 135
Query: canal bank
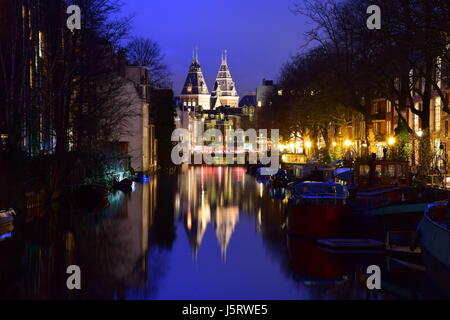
x: 204, y: 233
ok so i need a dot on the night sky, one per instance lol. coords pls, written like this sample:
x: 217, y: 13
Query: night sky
x: 260, y: 35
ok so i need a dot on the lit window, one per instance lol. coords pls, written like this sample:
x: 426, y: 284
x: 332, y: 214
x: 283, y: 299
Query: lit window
x: 388, y: 126
x: 31, y: 74
x: 389, y: 106
x: 416, y: 122
x: 259, y: 103
x: 437, y: 115
x: 280, y: 92
x: 41, y: 44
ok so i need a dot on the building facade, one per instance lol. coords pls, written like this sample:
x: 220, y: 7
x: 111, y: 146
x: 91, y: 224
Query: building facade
x: 195, y: 93
x: 224, y: 93
x: 141, y: 134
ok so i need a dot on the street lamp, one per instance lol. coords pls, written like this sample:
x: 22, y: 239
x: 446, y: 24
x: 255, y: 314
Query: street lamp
x: 419, y: 133
x: 347, y: 143
x: 391, y: 141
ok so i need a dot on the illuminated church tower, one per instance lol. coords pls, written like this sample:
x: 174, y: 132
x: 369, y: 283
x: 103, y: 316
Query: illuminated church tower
x: 224, y: 93
x: 195, y: 91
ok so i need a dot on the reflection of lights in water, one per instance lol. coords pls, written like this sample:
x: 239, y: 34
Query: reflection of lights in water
x: 133, y: 186
x: 177, y: 202
x: 6, y: 236
x: 225, y: 223
x: 203, y: 197
x: 189, y: 221
x: 259, y: 218
x: 261, y: 189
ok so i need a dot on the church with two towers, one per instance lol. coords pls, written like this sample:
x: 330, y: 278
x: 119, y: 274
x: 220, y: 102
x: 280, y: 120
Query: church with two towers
x: 195, y: 92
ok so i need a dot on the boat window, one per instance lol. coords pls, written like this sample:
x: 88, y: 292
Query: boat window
x: 379, y: 170
x: 400, y: 172
x: 364, y: 170
x: 391, y: 171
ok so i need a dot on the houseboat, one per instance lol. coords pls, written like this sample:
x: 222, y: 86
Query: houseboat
x: 7, y: 217
x: 434, y: 239
x: 317, y: 209
x: 6, y: 224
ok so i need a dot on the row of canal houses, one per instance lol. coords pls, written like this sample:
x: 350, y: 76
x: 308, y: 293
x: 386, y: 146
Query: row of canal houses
x: 32, y: 37
x: 385, y: 119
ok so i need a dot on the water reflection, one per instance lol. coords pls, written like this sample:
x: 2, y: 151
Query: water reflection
x: 205, y: 233
x: 110, y: 247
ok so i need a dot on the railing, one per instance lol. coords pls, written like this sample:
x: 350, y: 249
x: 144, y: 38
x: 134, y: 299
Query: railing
x: 440, y: 180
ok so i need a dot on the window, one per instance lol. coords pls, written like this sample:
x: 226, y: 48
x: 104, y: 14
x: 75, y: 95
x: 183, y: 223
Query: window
x: 376, y: 128
x: 378, y: 171
x: 391, y: 170
x: 437, y: 115
x: 416, y: 122
x: 364, y: 170
x: 375, y: 108
x: 389, y: 106
x: 41, y: 44
x: 388, y: 127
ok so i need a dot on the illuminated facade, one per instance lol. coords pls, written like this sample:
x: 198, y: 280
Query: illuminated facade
x: 224, y: 93
x: 195, y: 92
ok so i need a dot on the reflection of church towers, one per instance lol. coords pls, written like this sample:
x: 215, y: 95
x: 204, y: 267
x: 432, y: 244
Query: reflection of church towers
x: 195, y: 91
x: 196, y: 225
x: 224, y: 93
x: 198, y: 206
x: 225, y: 223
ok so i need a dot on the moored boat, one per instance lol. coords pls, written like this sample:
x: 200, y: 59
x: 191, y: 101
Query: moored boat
x: 434, y: 238
x: 317, y: 209
x: 7, y: 217
x: 6, y: 224
x: 279, y: 180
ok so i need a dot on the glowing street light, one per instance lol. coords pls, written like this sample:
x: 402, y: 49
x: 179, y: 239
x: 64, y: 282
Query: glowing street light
x: 334, y: 144
x: 419, y: 133
x: 391, y: 141
x: 308, y: 144
x: 347, y: 143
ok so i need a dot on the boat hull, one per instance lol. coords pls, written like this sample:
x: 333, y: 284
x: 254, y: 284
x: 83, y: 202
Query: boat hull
x: 435, y: 244
x: 316, y: 219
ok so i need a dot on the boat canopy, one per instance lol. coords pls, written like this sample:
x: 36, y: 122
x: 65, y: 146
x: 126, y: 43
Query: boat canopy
x: 320, y: 189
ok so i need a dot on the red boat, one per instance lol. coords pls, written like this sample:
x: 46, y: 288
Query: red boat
x: 317, y: 209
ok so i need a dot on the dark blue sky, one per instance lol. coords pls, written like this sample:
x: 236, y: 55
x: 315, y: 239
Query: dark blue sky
x: 260, y: 35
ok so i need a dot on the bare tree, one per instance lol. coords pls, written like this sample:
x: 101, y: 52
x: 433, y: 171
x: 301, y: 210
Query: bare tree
x: 146, y: 52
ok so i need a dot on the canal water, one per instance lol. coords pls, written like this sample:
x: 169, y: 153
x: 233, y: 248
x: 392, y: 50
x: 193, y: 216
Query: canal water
x: 204, y: 233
